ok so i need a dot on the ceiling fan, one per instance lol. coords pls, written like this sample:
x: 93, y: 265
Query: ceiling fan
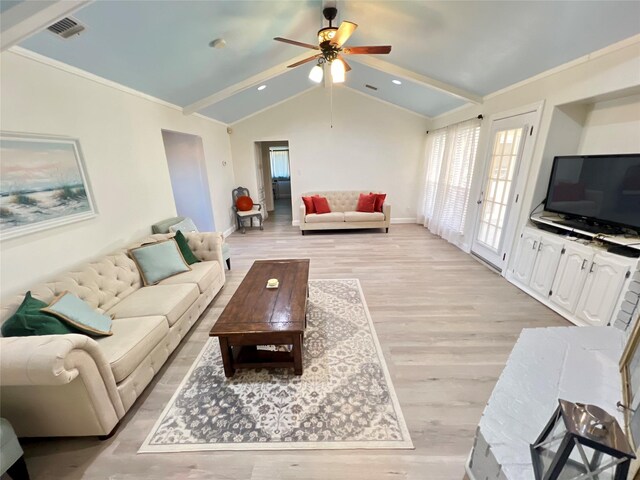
x: 332, y: 48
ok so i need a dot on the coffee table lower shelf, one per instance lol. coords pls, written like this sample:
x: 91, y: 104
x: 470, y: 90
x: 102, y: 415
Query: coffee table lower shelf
x: 246, y: 355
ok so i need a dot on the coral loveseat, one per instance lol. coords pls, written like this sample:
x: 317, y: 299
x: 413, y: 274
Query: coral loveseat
x: 74, y: 385
x: 343, y: 213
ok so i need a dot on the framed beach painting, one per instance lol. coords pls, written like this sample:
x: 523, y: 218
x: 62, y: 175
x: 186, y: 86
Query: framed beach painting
x: 43, y: 184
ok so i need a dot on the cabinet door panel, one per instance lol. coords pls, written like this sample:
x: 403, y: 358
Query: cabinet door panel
x: 570, y: 278
x: 526, y: 257
x: 601, y: 290
x: 546, y: 265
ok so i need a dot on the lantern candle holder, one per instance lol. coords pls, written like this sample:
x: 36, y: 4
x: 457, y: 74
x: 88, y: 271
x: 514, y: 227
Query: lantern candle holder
x: 583, y: 442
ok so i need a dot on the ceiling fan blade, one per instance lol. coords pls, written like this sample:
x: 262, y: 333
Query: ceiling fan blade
x: 296, y: 43
x: 344, y: 32
x: 347, y: 67
x: 302, y: 62
x: 382, y: 49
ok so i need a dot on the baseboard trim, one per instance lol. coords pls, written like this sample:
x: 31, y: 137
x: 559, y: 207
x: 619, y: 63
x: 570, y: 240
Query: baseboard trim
x: 403, y: 220
x: 296, y: 223
x: 229, y: 231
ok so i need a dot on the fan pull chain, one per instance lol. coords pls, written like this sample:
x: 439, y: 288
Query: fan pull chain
x: 331, y: 102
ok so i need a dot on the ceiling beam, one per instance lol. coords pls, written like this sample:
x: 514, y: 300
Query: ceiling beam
x: 252, y: 81
x: 396, y: 71
x: 28, y: 18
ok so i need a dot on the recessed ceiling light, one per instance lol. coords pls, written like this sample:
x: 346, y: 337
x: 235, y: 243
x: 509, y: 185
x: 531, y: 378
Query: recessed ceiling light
x: 261, y: 87
x: 397, y: 82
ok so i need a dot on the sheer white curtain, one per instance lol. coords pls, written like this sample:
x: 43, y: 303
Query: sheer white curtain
x: 451, y: 154
x: 279, y: 163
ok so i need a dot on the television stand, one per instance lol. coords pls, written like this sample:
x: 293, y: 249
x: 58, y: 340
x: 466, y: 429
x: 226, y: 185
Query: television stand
x: 552, y: 220
x: 586, y: 227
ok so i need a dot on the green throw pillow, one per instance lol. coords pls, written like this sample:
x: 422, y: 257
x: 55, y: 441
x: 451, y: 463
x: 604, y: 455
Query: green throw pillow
x: 77, y: 313
x: 188, y: 255
x: 29, y: 321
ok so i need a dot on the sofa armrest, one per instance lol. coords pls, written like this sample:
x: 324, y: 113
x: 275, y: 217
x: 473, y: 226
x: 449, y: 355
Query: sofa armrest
x: 386, y: 209
x: 75, y: 368
x: 303, y: 213
x: 44, y: 359
x: 207, y: 246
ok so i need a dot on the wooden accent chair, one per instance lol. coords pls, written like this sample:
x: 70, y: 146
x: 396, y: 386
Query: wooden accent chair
x: 255, y: 212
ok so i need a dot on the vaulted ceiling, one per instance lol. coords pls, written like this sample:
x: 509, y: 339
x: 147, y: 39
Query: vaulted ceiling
x: 465, y: 49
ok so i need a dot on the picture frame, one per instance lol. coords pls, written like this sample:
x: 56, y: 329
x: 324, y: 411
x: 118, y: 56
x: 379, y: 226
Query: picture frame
x: 43, y: 184
x: 630, y: 372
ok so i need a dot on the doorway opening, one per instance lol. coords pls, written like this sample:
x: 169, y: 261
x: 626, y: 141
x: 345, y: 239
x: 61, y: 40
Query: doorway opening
x: 188, y: 172
x: 273, y: 170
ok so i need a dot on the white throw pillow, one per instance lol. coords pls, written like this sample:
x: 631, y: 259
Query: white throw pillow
x: 184, y: 226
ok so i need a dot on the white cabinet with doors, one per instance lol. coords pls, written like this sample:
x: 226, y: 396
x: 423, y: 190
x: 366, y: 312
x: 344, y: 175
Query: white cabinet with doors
x: 571, y: 275
x: 583, y: 283
x: 544, y: 270
x: 526, y: 256
x: 602, y: 287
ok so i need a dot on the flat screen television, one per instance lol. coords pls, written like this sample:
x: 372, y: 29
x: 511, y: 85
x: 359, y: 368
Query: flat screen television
x: 597, y: 189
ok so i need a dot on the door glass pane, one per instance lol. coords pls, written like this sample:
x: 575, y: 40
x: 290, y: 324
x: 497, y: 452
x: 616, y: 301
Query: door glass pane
x: 501, y: 172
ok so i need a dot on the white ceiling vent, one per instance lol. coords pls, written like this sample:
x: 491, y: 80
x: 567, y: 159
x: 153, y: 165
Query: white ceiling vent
x: 67, y: 27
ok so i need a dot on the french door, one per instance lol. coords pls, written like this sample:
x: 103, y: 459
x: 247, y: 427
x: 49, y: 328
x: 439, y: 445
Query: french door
x: 500, y: 200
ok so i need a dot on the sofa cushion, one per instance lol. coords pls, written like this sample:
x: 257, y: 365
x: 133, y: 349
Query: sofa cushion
x: 132, y: 340
x: 170, y: 301
x: 202, y: 274
x: 325, y: 217
x: 363, y: 217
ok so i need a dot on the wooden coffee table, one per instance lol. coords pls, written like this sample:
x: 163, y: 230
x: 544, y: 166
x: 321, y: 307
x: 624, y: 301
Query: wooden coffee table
x: 257, y: 315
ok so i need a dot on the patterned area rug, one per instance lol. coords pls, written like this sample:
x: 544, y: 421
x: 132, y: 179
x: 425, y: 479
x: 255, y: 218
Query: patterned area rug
x: 343, y: 400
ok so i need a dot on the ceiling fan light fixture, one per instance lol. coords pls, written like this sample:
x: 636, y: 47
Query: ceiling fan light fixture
x: 337, y: 71
x: 316, y: 74
x: 326, y: 34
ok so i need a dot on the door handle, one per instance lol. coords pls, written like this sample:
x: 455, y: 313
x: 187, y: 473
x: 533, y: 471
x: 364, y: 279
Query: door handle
x: 584, y: 264
x: 592, y: 265
x: 539, y: 246
x: 535, y: 244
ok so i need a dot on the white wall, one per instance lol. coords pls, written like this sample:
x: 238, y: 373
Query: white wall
x: 612, y: 126
x: 120, y: 136
x: 372, y: 146
x: 616, y: 68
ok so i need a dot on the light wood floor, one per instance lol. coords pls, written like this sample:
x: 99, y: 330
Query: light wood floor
x: 446, y: 325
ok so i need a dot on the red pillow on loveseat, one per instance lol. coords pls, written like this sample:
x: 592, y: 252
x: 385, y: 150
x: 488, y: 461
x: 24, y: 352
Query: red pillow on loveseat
x: 308, y: 204
x: 380, y: 197
x: 321, y: 204
x: 366, y: 203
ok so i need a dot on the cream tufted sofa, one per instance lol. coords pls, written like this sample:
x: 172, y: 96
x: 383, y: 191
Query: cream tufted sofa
x: 74, y: 385
x: 343, y: 213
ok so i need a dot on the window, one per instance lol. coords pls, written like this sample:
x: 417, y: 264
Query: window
x: 451, y: 154
x: 279, y: 157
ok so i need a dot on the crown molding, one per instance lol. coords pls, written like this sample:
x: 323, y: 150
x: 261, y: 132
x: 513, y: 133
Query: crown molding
x: 635, y: 39
x: 31, y: 55
x: 367, y: 95
x: 299, y: 94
